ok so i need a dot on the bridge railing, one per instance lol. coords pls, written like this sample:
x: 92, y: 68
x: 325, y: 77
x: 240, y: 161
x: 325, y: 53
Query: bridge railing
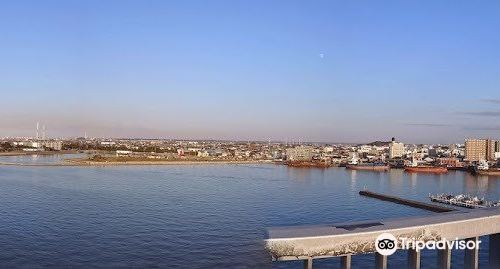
x: 347, y: 239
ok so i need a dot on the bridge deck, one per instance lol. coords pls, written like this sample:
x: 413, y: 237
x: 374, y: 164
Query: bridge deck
x: 302, y: 242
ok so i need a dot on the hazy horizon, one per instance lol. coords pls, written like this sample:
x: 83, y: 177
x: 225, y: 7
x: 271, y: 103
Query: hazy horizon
x: 325, y: 71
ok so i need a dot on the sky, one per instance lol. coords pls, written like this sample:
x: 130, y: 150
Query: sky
x: 325, y: 71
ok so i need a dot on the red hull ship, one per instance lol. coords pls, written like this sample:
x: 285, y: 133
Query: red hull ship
x: 426, y: 169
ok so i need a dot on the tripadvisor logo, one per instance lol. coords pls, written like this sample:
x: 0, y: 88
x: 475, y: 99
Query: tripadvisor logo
x: 386, y: 244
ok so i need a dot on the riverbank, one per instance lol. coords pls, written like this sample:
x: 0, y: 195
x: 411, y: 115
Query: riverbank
x: 88, y: 162
x: 27, y: 153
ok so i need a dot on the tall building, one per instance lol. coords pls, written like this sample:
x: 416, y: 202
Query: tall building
x: 481, y: 149
x: 491, y: 146
x: 396, y: 149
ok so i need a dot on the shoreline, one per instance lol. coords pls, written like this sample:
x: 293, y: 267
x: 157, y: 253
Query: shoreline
x: 87, y: 163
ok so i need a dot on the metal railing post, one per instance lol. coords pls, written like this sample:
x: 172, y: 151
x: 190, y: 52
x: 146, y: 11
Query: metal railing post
x: 494, y: 251
x: 471, y: 260
x: 345, y: 262
x: 380, y: 261
x: 444, y: 258
x: 413, y: 259
x: 308, y: 264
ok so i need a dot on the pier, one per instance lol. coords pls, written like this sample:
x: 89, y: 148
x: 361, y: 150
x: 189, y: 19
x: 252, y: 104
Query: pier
x: 408, y: 202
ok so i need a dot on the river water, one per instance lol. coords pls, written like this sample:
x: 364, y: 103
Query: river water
x: 195, y: 216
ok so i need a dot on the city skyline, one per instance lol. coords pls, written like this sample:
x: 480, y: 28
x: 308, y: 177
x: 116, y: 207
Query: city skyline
x: 41, y: 135
x: 323, y: 71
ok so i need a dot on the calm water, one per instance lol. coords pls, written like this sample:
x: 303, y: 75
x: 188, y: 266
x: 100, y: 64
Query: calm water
x: 199, y: 216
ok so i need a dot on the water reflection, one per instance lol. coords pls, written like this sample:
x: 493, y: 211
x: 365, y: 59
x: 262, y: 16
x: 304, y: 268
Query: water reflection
x: 354, y: 174
x: 299, y: 174
x: 413, y: 179
x: 396, y: 176
x: 354, y: 186
x: 482, y: 183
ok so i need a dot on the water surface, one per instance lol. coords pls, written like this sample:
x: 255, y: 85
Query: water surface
x: 195, y: 216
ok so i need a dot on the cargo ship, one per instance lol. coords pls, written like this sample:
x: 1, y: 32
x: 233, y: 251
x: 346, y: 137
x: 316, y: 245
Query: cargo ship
x: 355, y: 165
x: 483, y: 169
x: 426, y: 169
x: 368, y: 166
x: 418, y: 168
x: 489, y: 172
x: 307, y: 164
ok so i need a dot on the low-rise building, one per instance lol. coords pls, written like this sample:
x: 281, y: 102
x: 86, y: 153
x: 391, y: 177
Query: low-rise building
x: 123, y: 153
x: 300, y: 153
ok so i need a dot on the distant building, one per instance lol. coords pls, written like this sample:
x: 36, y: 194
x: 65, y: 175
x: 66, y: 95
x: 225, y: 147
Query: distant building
x: 432, y: 152
x: 328, y: 149
x: 123, y: 153
x: 449, y: 162
x: 40, y: 144
x: 481, y: 149
x: 475, y: 149
x: 396, y: 149
x: 51, y: 144
x: 203, y: 154
x: 301, y: 153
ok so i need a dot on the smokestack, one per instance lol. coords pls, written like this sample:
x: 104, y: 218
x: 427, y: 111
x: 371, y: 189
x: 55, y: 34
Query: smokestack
x: 37, y: 128
x: 43, y: 132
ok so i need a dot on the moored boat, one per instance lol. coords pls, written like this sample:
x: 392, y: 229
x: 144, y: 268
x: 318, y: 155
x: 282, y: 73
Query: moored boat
x: 308, y: 164
x: 463, y: 200
x: 489, y: 172
x: 368, y: 167
x: 484, y: 169
x: 426, y: 169
x: 415, y: 167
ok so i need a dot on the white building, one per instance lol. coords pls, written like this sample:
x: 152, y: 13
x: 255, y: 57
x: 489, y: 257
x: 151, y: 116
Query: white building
x: 123, y: 153
x: 328, y: 149
x: 203, y: 154
x: 396, y: 149
x: 50, y: 144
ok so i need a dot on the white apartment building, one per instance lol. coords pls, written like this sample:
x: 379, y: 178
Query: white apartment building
x: 396, y: 149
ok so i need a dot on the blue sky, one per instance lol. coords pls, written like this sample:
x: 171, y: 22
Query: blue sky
x: 335, y: 71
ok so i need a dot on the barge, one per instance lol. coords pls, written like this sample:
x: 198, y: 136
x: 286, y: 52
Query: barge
x: 368, y: 167
x: 426, y: 169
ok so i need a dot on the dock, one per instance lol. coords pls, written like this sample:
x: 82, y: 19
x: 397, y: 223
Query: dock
x: 408, y: 202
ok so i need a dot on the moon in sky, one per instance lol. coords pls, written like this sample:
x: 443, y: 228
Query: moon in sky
x: 321, y: 55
